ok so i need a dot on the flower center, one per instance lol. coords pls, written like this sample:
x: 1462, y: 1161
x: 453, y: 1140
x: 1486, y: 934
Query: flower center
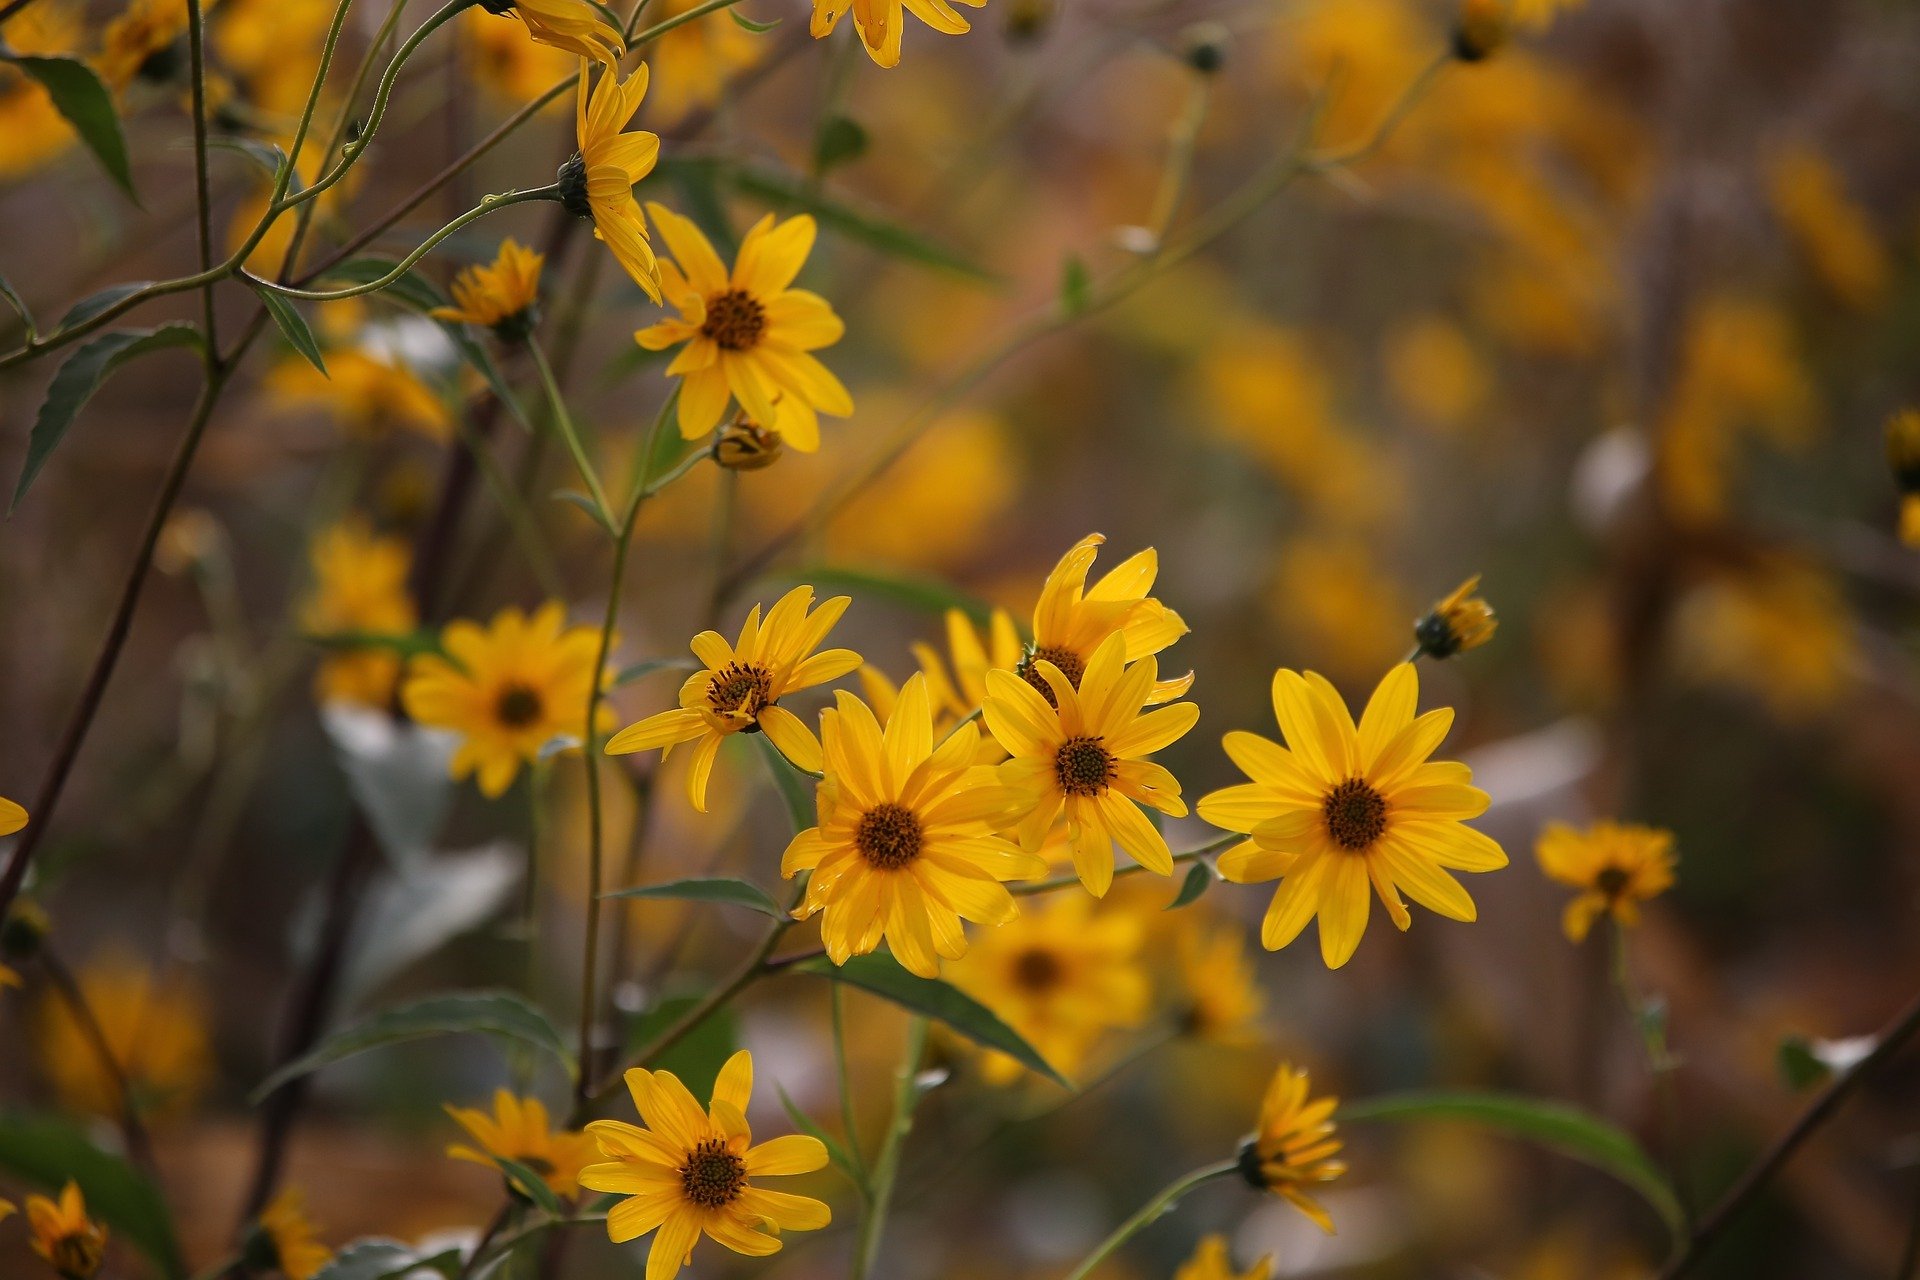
x: 735, y: 320
x: 1612, y: 881
x: 1038, y: 970
x: 1083, y: 766
x: 518, y: 706
x: 740, y: 688
x: 1356, y: 815
x: 76, y: 1256
x: 712, y: 1175
x: 1066, y: 659
x: 888, y: 837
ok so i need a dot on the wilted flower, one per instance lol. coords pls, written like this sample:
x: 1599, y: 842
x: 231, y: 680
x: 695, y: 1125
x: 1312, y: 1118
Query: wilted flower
x: 1294, y: 1148
x: 1616, y: 866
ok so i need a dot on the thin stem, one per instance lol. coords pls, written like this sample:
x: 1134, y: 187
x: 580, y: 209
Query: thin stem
x: 835, y: 1000
x: 132, y: 1130
x: 1186, y: 134
x: 197, y: 68
x: 563, y: 420
x: 1660, y: 1067
x: 659, y: 29
x: 1215, y: 845
x: 1151, y: 1210
x: 886, y: 1167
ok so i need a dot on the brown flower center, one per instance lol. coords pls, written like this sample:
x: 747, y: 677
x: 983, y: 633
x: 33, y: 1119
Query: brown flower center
x: 1066, y: 659
x: 712, y: 1175
x: 1038, y: 970
x: 889, y: 836
x: 735, y: 320
x: 1612, y: 881
x: 518, y: 706
x: 77, y: 1256
x: 1356, y: 814
x: 740, y: 688
x: 1084, y: 767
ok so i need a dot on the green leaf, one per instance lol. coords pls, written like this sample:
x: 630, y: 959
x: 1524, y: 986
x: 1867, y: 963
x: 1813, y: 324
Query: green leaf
x: 531, y: 1185
x: 882, y: 975
x: 925, y: 594
x: 1198, y: 881
x: 14, y: 301
x: 1076, y: 286
x: 737, y: 893
x: 1554, y: 1125
x: 836, y: 1152
x: 647, y: 666
x: 80, y: 377
x: 385, y: 1260
x: 94, y: 303
x: 268, y: 155
x: 802, y: 811
x: 293, y: 327
x: 841, y: 140
x: 499, y: 1013
x: 79, y: 96
x: 750, y: 25
x: 47, y: 1150
x: 700, y: 1054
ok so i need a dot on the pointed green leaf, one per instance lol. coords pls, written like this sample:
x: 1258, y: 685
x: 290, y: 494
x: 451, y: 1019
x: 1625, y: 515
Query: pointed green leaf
x: 46, y: 1151
x: 19, y: 307
x: 80, y: 97
x: 80, y: 377
x: 1198, y: 881
x: 94, y: 303
x: 293, y: 327
x: 836, y: 1152
x: 531, y: 1185
x: 268, y: 155
x: 737, y: 893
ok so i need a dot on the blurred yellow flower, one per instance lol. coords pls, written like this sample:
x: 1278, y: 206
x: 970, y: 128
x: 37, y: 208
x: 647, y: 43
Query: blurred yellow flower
x: 273, y: 48
x: 958, y: 691
x: 1211, y: 1261
x: 1332, y: 595
x: 1779, y: 629
x: 1460, y: 622
x: 577, y: 26
x: 597, y: 181
x: 1832, y: 232
x: 1616, y: 866
x: 1221, y: 997
x: 503, y: 296
x: 740, y: 688
x: 691, y: 1171
x: 366, y: 393
x: 1062, y: 976
x: 1339, y: 813
x: 506, y: 63
x: 1071, y: 620
x: 1435, y: 373
x: 905, y: 848
x: 1903, y: 459
x: 284, y: 1240
x: 697, y: 59
x: 508, y: 689
x: 32, y: 130
x: 12, y: 817
x: 1085, y: 752
x: 748, y: 335
x: 141, y: 42
x: 156, y: 1032
x: 880, y: 23
x: 519, y: 1130
x: 61, y: 1232
x: 1294, y: 1147
x: 360, y: 585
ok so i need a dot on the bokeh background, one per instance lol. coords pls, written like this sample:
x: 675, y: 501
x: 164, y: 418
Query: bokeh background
x: 1614, y: 319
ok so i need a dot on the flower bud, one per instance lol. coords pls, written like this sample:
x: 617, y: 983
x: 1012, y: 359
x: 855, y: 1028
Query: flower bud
x: 746, y: 446
x: 1203, y: 46
x: 1460, y: 622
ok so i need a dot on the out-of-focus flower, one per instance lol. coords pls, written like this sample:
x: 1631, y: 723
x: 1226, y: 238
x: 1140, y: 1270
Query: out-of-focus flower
x: 1481, y: 28
x: 1085, y: 752
x: 156, y: 1032
x: 1211, y: 1261
x: 692, y: 1170
x: 1221, y: 997
x: 1538, y: 15
x: 1456, y: 624
x: 697, y: 59
x: 1334, y: 596
x: 506, y: 63
x: 1435, y: 373
x: 740, y: 688
x: 520, y: 1130
x: 1072, y: 620
x: 597, y: 181
x: 1616, y: 866
x: 32, y: 130
x: 577, y: 26
x: 61, y: 1232
x: 364, y: 392
x: 1062, y: 976
x: 1367, y: 51
x: 1903, y: 459
x: 1828, y: 228
x: 12, y: 817
x: 1294, y: 1148
x: 360, y: 585
x: 284, y: 1240
x: 188, y: 540
x: 1340, y: 814
x: 1779, y: 629
x: 503, y: 296
x: 142, y: 41
x: 748, y: 335
x: 958, y: 691
x: 273, y: 48
x: 881, y: 22
x: 507, y: 689
x: 905, y: 848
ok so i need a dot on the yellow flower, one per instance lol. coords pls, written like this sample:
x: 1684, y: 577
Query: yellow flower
x: 508, y: 689
x: 1062, y: 976
x: 747, y: 334
x: 1777, y: 627
x: 32, y: 130
x: 1072, y: 620
x: 365, y: 392
x: 905, y: 848
x: 1832, y: 232
x: 360, y: 584
x: 141, y: 42
x: 504, y: 297
x: 740, y: 688
x: 1085, y: 753
x: 1337, y: 810
x: 880, y: 22
x: 273, y: 47
x: 1481, y: 28
x: 1909, y: 522
x: 691, y: 1171
x: 1336, y: 598
x: 1222, y: 996
x: 1434, y: 371
x: 1903, y: 449
x: 574, y: 25
x: 697, y: 59
x: 1616, y: 866
x: 156, y: 1031
x: 1538, y: 15
x: 504, y: 62
x: 519, y: 1130
x: 284, y: 1239
x: 71, y: 1242
x: 597, y: 181
x: 959, y: 690
x: 12, y: 817
x: 9, y: 978
x: 1458, y: 623
x: 1211, y: 1261
x: 1294, y: 1147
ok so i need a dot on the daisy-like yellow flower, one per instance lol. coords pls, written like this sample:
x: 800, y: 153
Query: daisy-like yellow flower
x: 520, y: 1130
x: 62, y: 1233
x: 12, y: 817
x: 504, y: 296
x: 880, y: 22
x: 1341, y: 813
x: 573, y: 25
x: 284, y: 1239
x: 156, y: 1030
x: 1211, y: 1261
x: 508, y: 689
x: 1616, y: 866
x: 367, y: 393
x: 141, y: 42
x: 748, y: 335
x: 1071, y: 619
x: 1063, y: 976
x: 905, y: 848
x: 1085, y: 753
x: 739, y: 689
x: 597, y: 181
x: 1220, y: 994
x: 957, y: 683
x: 1458, y: 623
x: 359, y: 585
x: 1294, y: 1147
x: 691, y: 1171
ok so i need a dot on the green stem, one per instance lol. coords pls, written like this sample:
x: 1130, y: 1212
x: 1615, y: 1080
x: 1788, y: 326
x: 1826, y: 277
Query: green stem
x: 886, y: 1168
x: 203, y: 202
x: 835, y: 1001
x: 1215, y: 845
x: 1151, y: 1210
x: 1660, y: 1067
x: 564, y: 421
x: 659, y: 29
